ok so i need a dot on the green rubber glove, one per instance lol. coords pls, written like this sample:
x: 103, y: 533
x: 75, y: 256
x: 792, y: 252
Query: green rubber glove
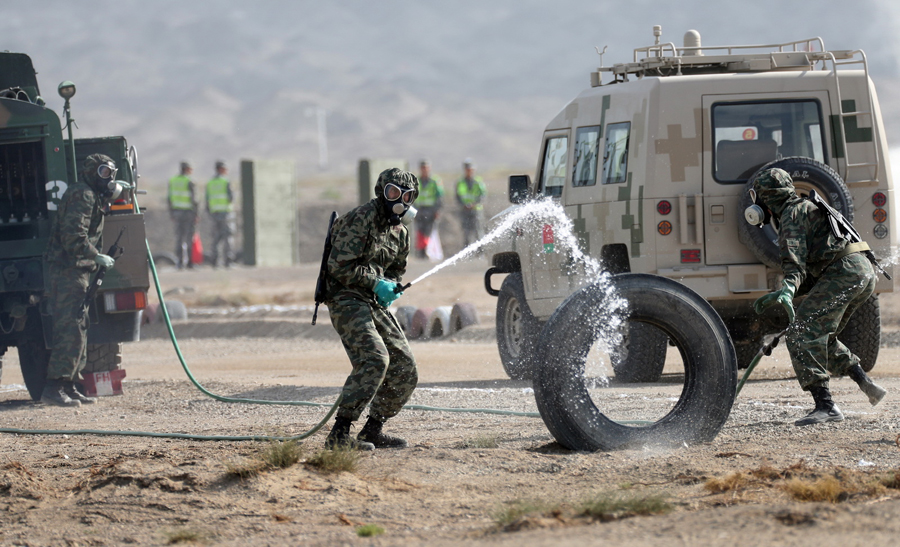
x: 105, y: 261
x: 783, y: 296
x: 384, y: 292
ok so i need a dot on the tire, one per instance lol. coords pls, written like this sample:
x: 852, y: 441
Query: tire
x: 807, y: 174
x: 438, y: 323
x: 745, y: 353
x: 176, y: 309
x: 103, y: 357
x: 517, y: 329
x: 642, y: 355
x: 404, y: 315
x: 710, y: 365
x: 462, y: 315
x: 33, y: 359
x: 419, y: 322
x: 862, y: 335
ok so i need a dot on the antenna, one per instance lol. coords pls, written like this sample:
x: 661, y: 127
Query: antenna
x: 657, y: 32
x: 600, y: 53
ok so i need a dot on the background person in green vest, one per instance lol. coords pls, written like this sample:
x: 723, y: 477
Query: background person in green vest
x: 183, y: 208
x: 429, y: 203
x: 220, y: 206
x: 470, y: 194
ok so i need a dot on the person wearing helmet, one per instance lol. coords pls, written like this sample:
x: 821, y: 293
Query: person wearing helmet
x: 840, y: 278
x: 370, y: 246
x: 183, y: 208
x: 220, y: 206
x: 72, y: 254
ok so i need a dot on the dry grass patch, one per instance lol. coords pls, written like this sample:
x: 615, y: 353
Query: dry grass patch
x: 186, y: 535
x: 729, y: 483
x: 336, y: 460
x: 480, y: 441
x: 276, y: 455
x: 607, y: 506
x: 369, y: 530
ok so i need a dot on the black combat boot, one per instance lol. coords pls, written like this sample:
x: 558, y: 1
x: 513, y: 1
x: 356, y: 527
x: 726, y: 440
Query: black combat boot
x: 371, y: 432
x: 55, y: 394
x: 873, y: 391
x: 825, y: 411
x: 73, y: 393
x: 340, y: 437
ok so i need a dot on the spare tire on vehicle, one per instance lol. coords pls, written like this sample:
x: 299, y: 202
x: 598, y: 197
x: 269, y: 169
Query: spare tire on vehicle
x: 807, y: 174
x: 710, y: 365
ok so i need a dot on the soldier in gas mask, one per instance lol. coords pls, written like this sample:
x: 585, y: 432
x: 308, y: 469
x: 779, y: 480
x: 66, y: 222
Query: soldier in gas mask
x: 72, y: 254
x: 841, y: 277
x: 370, y: 246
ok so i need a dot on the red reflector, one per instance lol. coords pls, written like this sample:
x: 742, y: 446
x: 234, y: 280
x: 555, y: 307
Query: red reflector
x: 879, y: 199
x: 130, y: 301
x: 664, y: 207
x: 690, y: 255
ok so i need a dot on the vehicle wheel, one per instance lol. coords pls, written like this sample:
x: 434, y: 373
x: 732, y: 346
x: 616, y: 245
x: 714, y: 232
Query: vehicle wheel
x: 33, y: 359
x: 439, y: 322
x: 710, y: 365
x: 462, y: 315
x: 103, y: 357
x: 807, y: 174
x: 862, y: 335
x: 517, y: 329
x: 642, y: 354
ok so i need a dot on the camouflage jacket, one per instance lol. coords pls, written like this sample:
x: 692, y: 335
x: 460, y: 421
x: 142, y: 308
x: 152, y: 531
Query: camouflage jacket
x: 807, y: 244
x: 365, y: 248
x: 76, y: 231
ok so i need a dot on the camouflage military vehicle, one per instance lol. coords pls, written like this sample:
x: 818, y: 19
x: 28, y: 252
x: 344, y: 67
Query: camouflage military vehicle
x: 652, y: 165
x: 36, y: 166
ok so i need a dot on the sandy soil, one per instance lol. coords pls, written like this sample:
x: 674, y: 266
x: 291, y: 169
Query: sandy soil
x: 464, y: 472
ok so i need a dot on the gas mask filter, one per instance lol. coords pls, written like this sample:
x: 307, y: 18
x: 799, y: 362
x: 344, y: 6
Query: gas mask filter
x: 757, y: 214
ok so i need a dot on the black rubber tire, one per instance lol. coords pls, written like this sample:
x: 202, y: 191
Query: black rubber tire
x: 517, y: 329
x: 103, y: 357
x: 807, y: 173
x: 745, y: 353
x: 710, y: 366
x: 862, y: 335
x: 642, y: 355
x: 33, y: 360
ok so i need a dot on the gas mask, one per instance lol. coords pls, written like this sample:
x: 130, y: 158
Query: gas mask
x: 757, y: 214
x: 106, y: 176
x: 398, y: 204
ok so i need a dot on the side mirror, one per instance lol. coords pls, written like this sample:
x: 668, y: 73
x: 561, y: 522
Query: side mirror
x: 519, y: 186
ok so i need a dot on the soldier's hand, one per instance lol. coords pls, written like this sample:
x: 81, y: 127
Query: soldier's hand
x: 783, y: 296
x: 385, y: 292
x: 104, y: 261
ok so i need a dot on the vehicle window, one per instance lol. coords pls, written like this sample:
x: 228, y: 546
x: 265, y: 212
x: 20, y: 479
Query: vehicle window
x: 587, y: 143
x: 553, y: 170
x: 615, y: 155
x: 746, y: 136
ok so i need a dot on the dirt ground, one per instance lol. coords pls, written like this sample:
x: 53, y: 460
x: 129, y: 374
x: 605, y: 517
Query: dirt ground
x: 465, y: 477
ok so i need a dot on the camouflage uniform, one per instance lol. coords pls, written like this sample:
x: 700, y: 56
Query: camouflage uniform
x: 367, y: 248
x: 841, y: 282
x: 74, y: 244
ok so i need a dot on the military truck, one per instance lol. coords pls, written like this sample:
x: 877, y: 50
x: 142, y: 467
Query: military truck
x: 37, y: 164
x: 652, y: 164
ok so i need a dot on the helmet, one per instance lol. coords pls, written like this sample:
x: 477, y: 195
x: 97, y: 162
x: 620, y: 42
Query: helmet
x: 396, y: 190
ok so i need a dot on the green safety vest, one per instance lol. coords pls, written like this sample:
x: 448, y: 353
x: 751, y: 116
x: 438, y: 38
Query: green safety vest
x: 471, y: 195
x: 217, y: 198
x: 429, y: 192
x: 180, y: 193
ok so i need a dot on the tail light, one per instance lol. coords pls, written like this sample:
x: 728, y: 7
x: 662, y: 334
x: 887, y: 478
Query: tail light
x: 119, y: 301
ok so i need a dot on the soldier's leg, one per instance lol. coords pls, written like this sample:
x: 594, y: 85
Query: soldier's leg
x: 353, y: 320
x: 859, y: 278
x: 69, y: 344
x: 401, y: 376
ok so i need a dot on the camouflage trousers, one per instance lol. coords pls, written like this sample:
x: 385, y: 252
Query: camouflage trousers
x: 69, y: 346
x: 223, y: 236
x: 812, y: 337
x: 185, y: 226
x: 384, y: 370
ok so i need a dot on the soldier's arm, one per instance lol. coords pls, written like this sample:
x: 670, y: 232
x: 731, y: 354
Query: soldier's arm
x: 397, y: 268
x: 793, y: 239
x: 75, y: 224
x: 345, y: 263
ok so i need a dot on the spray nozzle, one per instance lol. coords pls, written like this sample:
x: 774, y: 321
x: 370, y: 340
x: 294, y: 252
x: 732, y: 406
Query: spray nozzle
x: 398, y: 288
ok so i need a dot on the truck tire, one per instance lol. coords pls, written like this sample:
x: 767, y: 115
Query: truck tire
x: 642, y: 355
x: 710, y: 366
x: 103, y: 357
x: 517, y: 329
x: 862, y: 335
x: 807, y: 174
x: 33, y: 359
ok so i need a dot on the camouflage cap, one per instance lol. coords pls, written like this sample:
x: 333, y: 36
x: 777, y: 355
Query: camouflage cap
x: 401, y: 178
x: 774, y: 178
